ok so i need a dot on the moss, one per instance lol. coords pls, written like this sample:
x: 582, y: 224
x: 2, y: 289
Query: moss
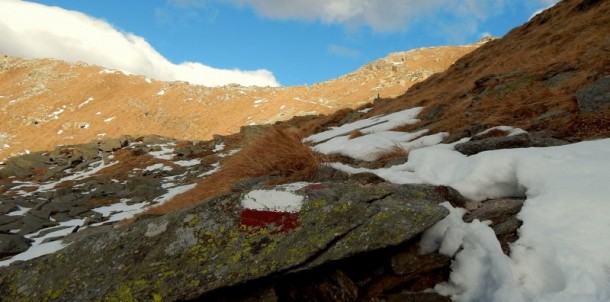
x: 122, y: 294
x: 157, y: 298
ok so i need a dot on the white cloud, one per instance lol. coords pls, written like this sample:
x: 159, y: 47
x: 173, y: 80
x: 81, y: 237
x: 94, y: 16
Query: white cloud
x: 548, y: 4
x: 343, y: 51
x: 386, y: 15
x: 39, y: 31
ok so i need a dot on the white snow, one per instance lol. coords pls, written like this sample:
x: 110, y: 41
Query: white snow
x: 260, y: 101
x: 111, y: 71
x: 38, y: 248
x: 166, y: 152
x: 158, y: 167
x: 371, y: 147
x: 365, y: 110
x: 280, y: 199
x: 87, y: 101
x: 562, y: 250
x: 511, y: 131
x: 370, y: 125
x: 188, y: 163
x: 219, y: 147
x: 149, y: 81
x: 161, y: 92
x: 272, y: 200
x: 109, y: 119
x: 120, y: 210
x: 55, y: 114
x: 172, y: 192
x: 92, y: 169
x: 20, y: 212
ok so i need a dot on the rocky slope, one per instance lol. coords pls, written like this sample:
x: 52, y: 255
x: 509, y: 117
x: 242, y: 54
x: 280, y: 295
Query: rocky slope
x: 45, y: 103
x: 348, y: 233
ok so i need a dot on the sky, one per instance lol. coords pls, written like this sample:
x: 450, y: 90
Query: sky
x: 249, y: 42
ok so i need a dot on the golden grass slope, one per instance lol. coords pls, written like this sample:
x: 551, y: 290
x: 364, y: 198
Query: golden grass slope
x: 43, y: 103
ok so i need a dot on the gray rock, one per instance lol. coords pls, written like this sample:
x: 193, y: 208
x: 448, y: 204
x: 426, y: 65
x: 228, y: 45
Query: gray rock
x: 111, y: 144
x: 32, y: 224
x: 23, y: 165
x: 5, y: 219
x: 507, y: 142
x: 217, y: 244
x: 417, y: 297
x: 595, y: 97
x: 87, y: 152
x: 496, y: 210
x: 7, y: 208
x: 12, y: 244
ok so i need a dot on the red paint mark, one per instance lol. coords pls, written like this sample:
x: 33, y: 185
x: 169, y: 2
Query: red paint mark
x: 313, y: 187
x: 282, y: 221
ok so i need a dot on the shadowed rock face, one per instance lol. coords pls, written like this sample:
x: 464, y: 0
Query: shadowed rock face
x: 189, y: 253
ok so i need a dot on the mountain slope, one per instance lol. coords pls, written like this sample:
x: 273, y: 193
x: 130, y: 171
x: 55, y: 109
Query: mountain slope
x: 44, y: 103
x: 529, y: 78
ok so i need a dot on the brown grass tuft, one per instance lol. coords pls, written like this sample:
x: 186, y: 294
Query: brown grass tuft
x: 386, y: 156
x: 277, y: 151
x: 355, y: 134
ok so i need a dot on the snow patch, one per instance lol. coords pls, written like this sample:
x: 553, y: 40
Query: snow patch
x: 370, y: 125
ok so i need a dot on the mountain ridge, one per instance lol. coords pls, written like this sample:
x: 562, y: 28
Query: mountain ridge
x: 46, y: 102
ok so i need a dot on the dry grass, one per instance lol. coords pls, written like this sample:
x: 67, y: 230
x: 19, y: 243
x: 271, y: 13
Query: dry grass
x: 100, y: 201
x: 355, y: 134
x: 386, y: 156
x: 518, y: 66
x: 277, y: 151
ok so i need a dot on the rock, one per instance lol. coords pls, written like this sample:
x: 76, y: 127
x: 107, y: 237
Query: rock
x: 506, y: 142
x: 496, y: 210
x: 329, y: 286
x: 216, y: 244
x: 111, y: 144
x: 417, y: 297
x: 5, y: 219
x: 32, y: 224
x: 434, y: 113
x: 24, y: 165
x: 13, y: 244
x: 6, y: 208
x: 87, y: 152
x: 468, y: 131
x: 595, y: 97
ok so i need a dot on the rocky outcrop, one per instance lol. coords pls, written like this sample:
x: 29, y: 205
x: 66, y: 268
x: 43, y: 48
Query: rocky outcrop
x: 218, y: 243
x: 524, y: 140
x: 595, y: 97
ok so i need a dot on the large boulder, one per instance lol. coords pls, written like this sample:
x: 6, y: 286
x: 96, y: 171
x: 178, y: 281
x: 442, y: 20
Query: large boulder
x: 523, y: 140
x: 224, y: 242
x: 12, y: 244
x: 595, y: 97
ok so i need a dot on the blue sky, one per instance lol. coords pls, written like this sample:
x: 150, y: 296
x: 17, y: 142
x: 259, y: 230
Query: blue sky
x: 295, y: 42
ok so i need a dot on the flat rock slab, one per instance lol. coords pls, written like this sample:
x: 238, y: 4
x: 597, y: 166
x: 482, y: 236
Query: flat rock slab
x: 220, y: 243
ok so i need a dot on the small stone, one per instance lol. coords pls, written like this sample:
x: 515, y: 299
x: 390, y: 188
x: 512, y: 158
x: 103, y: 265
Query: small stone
x: 13, y: 244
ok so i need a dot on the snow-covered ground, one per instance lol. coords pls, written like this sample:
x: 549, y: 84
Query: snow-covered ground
x: 563, y: 250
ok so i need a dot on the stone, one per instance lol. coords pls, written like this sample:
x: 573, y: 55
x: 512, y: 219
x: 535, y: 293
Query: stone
x: 111, y: 144
x: 595, y: 97
x: 32, y: 224
x: 24, y: 165
x: 212, y: 245
x: 496, y: 210
x: 417, y: 297
x: 12, y: 244
x: 6, y: 208
x: 328, y: 286
x: 6, y: 219
x: 87, y: 152
x: 523, y: 140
